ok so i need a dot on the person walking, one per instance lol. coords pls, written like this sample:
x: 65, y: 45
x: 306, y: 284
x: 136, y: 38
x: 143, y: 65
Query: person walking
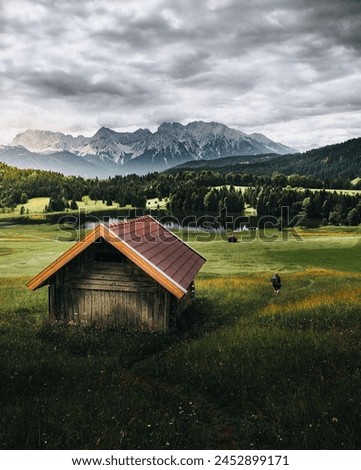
x: 276, y: 283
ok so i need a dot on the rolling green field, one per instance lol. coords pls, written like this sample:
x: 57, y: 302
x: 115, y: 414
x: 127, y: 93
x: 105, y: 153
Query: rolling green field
x: 245, y: 370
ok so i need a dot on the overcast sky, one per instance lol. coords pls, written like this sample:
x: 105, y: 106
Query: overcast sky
x: 290, y: 69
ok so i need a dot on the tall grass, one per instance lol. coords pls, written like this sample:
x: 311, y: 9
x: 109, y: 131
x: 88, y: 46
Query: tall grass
x: 283, y: 377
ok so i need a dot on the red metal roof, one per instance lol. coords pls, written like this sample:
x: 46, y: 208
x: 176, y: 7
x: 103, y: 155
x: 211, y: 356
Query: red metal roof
x: 160, y: 253
x: 160, y: 247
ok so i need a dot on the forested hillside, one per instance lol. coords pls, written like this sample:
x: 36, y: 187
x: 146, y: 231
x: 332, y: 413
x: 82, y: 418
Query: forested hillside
x: 334, y: 161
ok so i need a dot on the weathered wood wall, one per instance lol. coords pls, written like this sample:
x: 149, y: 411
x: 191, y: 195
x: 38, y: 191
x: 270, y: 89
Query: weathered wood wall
x: 101, y: 287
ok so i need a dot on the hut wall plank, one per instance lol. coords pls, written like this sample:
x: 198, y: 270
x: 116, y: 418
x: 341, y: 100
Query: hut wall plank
x: 69, y: 304
x: 137, y: 312
x: 104, y: 308
x: 110, y: 311
x: 166, y: 307
x: 132, y: 301
x: 88, y: 301
x: 52, y: 302
x: 158, y: 313
x: 80, y: 306
x: 96, y: 306
x: 127, y: 311
x: 143, y: 311
x: 149, y: 307
x: 115, y: 288
x: 113, y: 308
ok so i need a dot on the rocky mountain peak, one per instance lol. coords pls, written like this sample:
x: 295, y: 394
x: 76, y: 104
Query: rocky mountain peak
x: 104, y: 132
x: 141, y: 151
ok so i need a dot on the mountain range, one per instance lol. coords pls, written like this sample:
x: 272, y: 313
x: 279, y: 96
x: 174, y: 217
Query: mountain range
x: 108, y: 153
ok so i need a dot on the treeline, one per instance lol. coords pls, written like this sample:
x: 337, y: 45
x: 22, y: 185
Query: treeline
x: 189, y: 192
x: 305, y: 206
x: 17, y: 186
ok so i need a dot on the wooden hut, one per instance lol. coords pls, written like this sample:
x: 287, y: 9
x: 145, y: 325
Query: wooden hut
x: 129, y: 274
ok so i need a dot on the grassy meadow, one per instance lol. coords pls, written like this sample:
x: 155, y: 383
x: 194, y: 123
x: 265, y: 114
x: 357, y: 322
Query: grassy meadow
x: 246, y: 369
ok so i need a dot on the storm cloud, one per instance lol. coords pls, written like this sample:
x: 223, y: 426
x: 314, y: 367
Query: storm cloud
x: 290, y: 69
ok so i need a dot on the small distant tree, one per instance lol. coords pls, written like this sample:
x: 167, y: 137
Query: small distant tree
x: 74, y: 205
x: 56, y: 204
x: 211, y: 200
x: 65, y: 202
x: 22, y: 210
x: 77, y: 195
x: 24, y: 198
x: 353, y: 217
x: 334, y: 218
x: 279, y: 179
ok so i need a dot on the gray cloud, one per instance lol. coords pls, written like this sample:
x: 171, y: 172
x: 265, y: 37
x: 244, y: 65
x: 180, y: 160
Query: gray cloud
x: 262, y: 65
x: 59, y: 84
